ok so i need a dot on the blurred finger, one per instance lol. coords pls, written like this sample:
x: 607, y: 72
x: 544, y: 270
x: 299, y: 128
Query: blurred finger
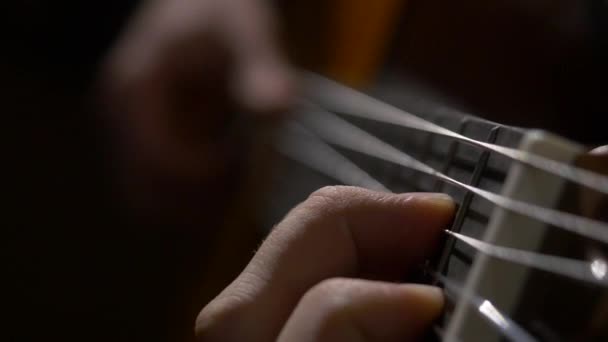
x: 169, y: 89
x: 361, y: 310
x: 600, y: 151
x: 184, y: 70
x: 262, y: 81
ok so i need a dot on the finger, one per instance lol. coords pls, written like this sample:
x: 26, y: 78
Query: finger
x: 156, y: 32
x: 600, y: 151
x: 362, y: 310
x: 263, y: 82
x: 338, y: 231
x: 167, y: 79
x: 171, y: 74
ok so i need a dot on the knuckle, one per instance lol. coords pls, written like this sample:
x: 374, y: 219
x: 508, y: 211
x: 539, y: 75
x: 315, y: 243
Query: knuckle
x: 329, y: 286
x: 331, y: 303
x: 331, y: 196
x: 329, y: 294
x: 332, y: 199
x: 329, y: 192
x: 324, y: 203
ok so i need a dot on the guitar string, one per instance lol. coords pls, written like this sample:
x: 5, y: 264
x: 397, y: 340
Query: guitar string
x: 509, y: 328
x: 321, y: 157
x: 339, y: 132
x: 593, y: 272
x: 348, y: 101
x: 498, y: 320
x: 441, y: 335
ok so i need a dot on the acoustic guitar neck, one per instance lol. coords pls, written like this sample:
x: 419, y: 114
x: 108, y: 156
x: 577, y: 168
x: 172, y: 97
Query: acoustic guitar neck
x: 511, y: 300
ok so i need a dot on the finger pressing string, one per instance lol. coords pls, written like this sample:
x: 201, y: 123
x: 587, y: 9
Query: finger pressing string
x: 337, y: 232
x: 592, y: 272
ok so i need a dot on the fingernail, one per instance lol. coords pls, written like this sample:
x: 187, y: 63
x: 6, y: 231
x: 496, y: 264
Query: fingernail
x: 430, y: 296
x: 438, y: 199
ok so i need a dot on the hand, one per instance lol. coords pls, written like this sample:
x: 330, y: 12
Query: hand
x: 186, y: 84
x: 305, y: 282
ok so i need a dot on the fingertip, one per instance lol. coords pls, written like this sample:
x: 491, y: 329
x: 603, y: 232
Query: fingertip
x: 429, y: 300
x: 356, y: 309
x: 265, y: 88
x: 439, y: 207
x: 600, y: 151
x: 421, y: 306
x: 438, y: 200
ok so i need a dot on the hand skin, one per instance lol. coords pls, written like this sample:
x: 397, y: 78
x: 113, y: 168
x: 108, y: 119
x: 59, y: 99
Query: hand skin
x: 189, y: 86
x: 306, y: 282
x: 182, y: 66
x: 191, y: 89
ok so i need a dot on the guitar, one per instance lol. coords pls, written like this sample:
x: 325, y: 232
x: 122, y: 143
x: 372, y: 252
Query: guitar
x: 524, y: 259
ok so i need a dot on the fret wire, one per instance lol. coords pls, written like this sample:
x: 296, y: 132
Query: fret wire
x: 592, y: 272
x: 466, y: 202
x: 462, y: 256
x: 339, y: 132
x: 351, y: 102
x: 481, y: 308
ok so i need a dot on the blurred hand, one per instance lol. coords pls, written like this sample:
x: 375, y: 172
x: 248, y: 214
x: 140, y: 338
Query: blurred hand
x: 306, y: 281
x: 600, y: 151
x: 184, y: 82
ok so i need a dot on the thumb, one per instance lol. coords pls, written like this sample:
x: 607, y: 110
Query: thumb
x: 360, y: 310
